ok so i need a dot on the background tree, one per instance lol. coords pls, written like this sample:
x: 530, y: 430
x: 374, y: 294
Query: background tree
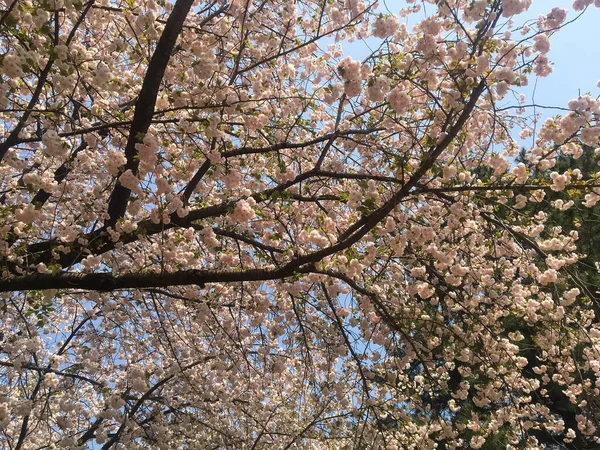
x: 219, y: 231
x: 577, y: 217
x: 567, y: 211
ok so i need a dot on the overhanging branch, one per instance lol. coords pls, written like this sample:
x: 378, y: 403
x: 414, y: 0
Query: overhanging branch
x: 104, y: 281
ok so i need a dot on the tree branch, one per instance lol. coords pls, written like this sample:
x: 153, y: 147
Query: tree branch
x: 144, y: 106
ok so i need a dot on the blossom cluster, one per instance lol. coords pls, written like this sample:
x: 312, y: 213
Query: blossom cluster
x: 385, y: 26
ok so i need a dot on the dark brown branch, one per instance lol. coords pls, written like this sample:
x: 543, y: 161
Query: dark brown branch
x: 7, y: 12
x: 146, y: 396
x: 13, y: 137
x: 59, y: 175
x: 247, y: 240
x: 357, y: 176
x: 189, y: 189
x: 108, y: 282
x: 512, y: 187
x: 101, y: 243
x: 340, y: 326
x: 362, y: 227
x: 294, y: 145
x: 45, y: 370
x: 347, y: 239
x: 144, y: 107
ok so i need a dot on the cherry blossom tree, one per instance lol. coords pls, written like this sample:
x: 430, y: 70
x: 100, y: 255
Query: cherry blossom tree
x: 220, y: 229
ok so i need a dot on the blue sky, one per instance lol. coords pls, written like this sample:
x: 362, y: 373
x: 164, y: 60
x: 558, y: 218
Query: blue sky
x: 575, y: 52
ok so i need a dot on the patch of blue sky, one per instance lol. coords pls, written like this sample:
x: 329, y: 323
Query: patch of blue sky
x: 574, y: 54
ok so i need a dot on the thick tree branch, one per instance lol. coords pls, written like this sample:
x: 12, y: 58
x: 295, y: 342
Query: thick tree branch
x: 108, y: 282
x: 144, y: 107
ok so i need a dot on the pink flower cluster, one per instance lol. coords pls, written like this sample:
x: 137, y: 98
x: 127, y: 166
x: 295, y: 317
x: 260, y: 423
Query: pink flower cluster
x: 580, y: 5
x: 351, y: 72
x: 541, y: 43
x: 206, y: 63
x: 553, y: 19
x: 559, y: 181
x: 377, y: 89
x: 147, y: 150
x: 399, y: 100
x: 514, y: 7
x: 114, y: 160
x: 243, y: 211
x: 385, y: 26
x: 53, y: 144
